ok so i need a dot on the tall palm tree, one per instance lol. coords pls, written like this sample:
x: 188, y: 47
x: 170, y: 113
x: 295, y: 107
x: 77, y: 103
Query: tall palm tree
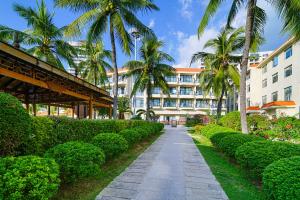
x: 43, y: 38
x: 114, y: 15
x: 151, y: 70
x: 221, y: 72
x: 96, y: 64
x: 288, y: 10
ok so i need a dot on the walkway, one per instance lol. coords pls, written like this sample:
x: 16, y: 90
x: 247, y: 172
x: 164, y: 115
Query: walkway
x: 170, y: 169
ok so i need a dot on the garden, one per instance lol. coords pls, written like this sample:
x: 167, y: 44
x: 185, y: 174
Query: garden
x: 51, y: 157
x: 266, y: 162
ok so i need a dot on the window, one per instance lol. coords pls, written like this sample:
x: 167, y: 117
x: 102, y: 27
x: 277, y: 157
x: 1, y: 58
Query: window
x: 288, y: 93
x: 156, y: 90
x: 275, y: 78
x: 186, y: 91
x: 264, y: 83
x: 201, y: 103
x: 275, y: 61
x: 248, y: 88
x: 155, y: 102
x: 264, y: 70
x: 121, y: 91
x: 275, y: 96
x: 199, y: 91
x: 288, y: 53
x: 139, y: 102
x: 140, y: 93
x: 248, y: 102
x: 214, y: 104
x: 171, y: 78
x: 186, y: 103
x: 170, y: 103
x: 288, y: 71
x: 264, y: 99
x: 186, y: 78
x: 173, y: 90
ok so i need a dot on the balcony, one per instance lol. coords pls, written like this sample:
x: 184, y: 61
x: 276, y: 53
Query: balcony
x: 171, y: 79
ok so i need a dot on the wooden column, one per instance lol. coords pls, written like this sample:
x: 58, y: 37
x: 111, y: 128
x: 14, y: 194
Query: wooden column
x: 49, y: 110
x: 57, y: 110
x: 90, y: 109
x: 73, y: 110
x: 110, y: 112
x: 34, y: 109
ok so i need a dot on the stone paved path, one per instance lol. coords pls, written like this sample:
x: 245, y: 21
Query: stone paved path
x: 170, y: 169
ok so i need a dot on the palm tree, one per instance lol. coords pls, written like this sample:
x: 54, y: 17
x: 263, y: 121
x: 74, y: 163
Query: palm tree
x: 96, y: 64
x: 44, y: 39
x: 151, y: 70
x: 288, y: 10
x: 221, y: 73
x: 115, y: 15
x: 141, y: 112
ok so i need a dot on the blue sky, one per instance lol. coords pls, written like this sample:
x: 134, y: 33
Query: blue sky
x: 176, y: 24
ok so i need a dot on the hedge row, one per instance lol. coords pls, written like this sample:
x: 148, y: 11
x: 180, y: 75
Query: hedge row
x: 271, y: 161
x: 211, y: 129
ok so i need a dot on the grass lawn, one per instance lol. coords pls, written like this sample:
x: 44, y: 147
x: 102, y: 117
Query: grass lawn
x: 88, y: 189
x: 234, y: 181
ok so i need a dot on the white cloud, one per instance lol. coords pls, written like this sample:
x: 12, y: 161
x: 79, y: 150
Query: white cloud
x: 151, y: 23
x: 189, y: 45
x: 179, y: 35
x: 185, y: 10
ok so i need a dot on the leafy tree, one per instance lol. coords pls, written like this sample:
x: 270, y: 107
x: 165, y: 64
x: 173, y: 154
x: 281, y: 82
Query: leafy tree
x: 221, y: 73
x: 288, y: 10
x: 44, y: 39
x: 123, y: 106
x: 114, y: 16
x: 151, y: 70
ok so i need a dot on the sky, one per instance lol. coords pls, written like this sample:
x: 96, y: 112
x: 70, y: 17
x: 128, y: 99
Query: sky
x: 176, y: 24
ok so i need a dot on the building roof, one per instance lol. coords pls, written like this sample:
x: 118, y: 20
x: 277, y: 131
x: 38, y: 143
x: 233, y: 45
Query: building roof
x: 279, y: 50
x: 182, y: 70
x: 253, y: 108
x: 278, y: 104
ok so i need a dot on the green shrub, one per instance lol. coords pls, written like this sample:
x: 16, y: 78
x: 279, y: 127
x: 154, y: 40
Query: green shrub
x: 286, y: 128
x: 15, y: 125
x: 281, y: 179
x: 230, y: 143
x: 77, y: 160
x: 256, y: 156
x: 28, y: 178
x: 258, y: 123
x: 212, y: 129
x: 132, y: 136
x: 217, y: 138
x: 231, y: 120
x: 112, y: 144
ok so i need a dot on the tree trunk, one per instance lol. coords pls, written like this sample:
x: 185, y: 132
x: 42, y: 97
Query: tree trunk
x: 95, y: 77
x: 244, y: 64
x: 16, y: 42
x: 115, y: 76
x: 148, y: 118
x: 219, y: 107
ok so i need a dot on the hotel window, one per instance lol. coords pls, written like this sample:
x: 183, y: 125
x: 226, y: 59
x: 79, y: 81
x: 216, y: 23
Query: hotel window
x: 288, y: 53
x: 265, y: 69
x: 275, y: 96
x: 186, y: 78
x: 186, y: 103
x: 139, y: 102
x: 171, y: 78
x: 170, y: 103
x: 199, y: 91
x: 201, y: 103
x: 248, y: 88
x: 264, y: 83
x: 186, y: 91
x: 139, y: 93
x: 275, y: 78
x: 248, y: 102
x: 156, y: 90
x: 173, y: 90
x: 275, y: 61
x: 121, y: 90
x: 155, y: 102
x: 288, y: 93
x: 288, y: 71
x: 264, y: 99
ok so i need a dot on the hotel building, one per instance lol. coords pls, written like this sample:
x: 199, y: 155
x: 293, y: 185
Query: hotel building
x: 273, y: 86
x: 186, y: 98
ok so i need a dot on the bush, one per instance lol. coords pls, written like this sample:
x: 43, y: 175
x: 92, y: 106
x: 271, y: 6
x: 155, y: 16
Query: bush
x: 77, y: 160
x: 193, y: 121
x: 15, y: 125
x: 132, y: 136
x: 286, y: 128
x: 112, y: 144
x: 258, y: 123
x: 281, y: 179
x: 212, y: 129
x: 256, y: 156
x: 231, y: 120
x: 28, y: 177
x: 230, y: 143
x: 217, y: 138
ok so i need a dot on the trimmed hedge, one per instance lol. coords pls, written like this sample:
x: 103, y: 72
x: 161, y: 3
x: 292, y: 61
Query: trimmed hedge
x: 15, y: 125
x: 230, y: 143
x: 111, y: 143
x: 28, y: 177
x: 256, y: 156
x: 216, y: 138
x: 211, y: 129
x: 281, y: 179
x: 77, y: 160
x: 131, y: 135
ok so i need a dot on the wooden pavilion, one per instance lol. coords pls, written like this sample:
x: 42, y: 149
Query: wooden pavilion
x: 33, y: 81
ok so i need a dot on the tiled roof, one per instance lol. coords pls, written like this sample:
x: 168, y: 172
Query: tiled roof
x: 278, y: 104
x: 188, y: 70
x: 252, y: 108
x: 254, y: 64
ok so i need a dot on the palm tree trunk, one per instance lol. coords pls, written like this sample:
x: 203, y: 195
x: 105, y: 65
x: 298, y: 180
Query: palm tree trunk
x: 219, y: 107
x: 16, y: 42
x: 244, y: 64
x: 148, y: 103
x: 114, y: 63
x: 95, y: 77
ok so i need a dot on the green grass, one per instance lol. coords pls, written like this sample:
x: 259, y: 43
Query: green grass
x: 88, y: 189
x: 234, y: 181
